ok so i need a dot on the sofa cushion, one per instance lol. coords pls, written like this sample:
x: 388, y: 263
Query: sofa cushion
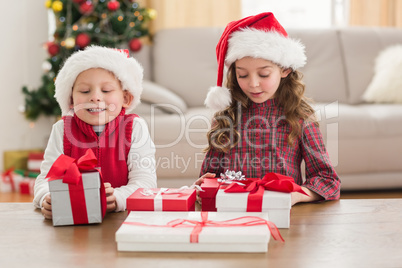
x: 386, y: 85
x: 162, y: 98
x: 324, y: 72
x: 184, y: 61
x: 361, y: 46
x: 362, y: 138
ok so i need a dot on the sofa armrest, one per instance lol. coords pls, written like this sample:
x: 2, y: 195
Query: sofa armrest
x: 162, y: 98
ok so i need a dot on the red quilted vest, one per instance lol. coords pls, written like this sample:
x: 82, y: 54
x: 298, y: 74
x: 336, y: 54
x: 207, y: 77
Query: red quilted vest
x: 111, y: 147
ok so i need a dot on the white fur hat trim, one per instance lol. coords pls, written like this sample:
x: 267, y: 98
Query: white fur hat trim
x: 218, y: 98
x: 271, y: 45
x: 127, y: 70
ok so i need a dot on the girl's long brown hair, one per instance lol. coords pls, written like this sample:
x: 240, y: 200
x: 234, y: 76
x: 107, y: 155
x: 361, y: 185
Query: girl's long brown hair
x: 224, y: 134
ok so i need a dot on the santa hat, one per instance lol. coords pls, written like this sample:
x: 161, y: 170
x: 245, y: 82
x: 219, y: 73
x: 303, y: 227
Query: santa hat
x: 259, y: 36
x: 126, y: 69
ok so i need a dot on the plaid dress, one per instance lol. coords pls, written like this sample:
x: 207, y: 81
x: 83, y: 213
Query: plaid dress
x: 263, y: 148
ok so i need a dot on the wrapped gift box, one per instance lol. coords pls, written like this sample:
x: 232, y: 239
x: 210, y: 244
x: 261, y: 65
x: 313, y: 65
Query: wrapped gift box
x: 210, y: 187
x: 62, y: 209
x: 25, y: 180
x: 6, y: 181
x: 154, y: 231
x: 277, y: 204
x: 34, y: 161
x: 162, y: 199
x: 18, y: 159
x: 11, y: 180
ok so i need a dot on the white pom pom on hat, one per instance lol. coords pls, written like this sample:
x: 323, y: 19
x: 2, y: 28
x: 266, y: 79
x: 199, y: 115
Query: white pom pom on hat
x: 126, y: 69
x: 217, y: 98
x: 259, y: 36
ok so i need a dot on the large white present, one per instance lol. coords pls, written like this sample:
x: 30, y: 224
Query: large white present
x: 196, y: 232
x: 276, y: 204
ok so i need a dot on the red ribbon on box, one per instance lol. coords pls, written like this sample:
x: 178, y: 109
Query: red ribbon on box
x: 271, y: 181
x: 69, y: 170
x: 199, y: 225
x: 7, y: 177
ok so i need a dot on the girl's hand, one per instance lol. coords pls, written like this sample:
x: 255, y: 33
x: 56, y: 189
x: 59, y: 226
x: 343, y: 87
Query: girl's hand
x: 110, y: 198
x: 47, y: 207
x: 199, y: 181
x: 297, y: 197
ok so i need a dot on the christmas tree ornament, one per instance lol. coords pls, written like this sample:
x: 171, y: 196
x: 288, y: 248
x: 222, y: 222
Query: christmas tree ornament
x: 82, y: 40
x: 135, y: 45
x: 57, y: 6
x: 48, y: 3
x: 151, y: 13
x: 113, y: 5
x: 78, y: 1
x: 86, y: 8
x: 46, y: 66
x: 53, y: 49
x: 119, y: 23
x: 69, y: 42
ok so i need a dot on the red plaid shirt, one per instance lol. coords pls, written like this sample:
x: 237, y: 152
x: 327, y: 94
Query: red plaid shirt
x: 263, y: 148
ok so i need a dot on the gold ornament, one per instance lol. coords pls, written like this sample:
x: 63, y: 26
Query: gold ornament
x: 48, y: 3
x: 69, y: 42
x: 151, y: 13
x: 57, y: 6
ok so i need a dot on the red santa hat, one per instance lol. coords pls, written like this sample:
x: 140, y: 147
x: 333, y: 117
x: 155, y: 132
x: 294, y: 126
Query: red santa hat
x: 126, y: 69
x: 259, y: 36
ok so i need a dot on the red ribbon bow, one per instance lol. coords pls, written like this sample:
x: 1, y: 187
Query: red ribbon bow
x: 271, y: 181
x: 7, y: 177
x: 69, y: 171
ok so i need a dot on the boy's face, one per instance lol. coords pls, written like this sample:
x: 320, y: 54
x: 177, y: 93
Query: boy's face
x: 98, y: 96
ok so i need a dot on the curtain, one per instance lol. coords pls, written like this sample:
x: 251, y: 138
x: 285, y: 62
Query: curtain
x: 192, y: 13
x: 387, y: 13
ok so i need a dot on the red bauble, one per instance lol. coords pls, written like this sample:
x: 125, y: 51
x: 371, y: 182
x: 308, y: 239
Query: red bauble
x: 113, y: 5
x: 78, y: 1
x: 53, y: 49
x: 82, y: 40
x: 135, y: 44
x: 86, y: 8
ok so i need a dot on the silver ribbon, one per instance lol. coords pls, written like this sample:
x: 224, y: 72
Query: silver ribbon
x: 231, y: 176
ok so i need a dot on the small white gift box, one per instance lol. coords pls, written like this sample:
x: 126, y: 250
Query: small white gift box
x: 225, y: 232
x: 62, y: 207
x: 276, y: 204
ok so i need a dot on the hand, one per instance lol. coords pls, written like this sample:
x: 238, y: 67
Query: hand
x: 110, y: 198
x: 47, y: 207
x: 297, y: 197
x: 199, y: 181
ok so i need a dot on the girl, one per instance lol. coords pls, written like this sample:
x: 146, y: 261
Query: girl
x: 94, y: 89
x: 263, y: 122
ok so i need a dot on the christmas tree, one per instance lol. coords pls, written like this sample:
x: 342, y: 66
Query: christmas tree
x: 79, y: 23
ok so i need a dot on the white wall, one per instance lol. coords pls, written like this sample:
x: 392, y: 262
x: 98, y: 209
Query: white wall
x: 24, y: 30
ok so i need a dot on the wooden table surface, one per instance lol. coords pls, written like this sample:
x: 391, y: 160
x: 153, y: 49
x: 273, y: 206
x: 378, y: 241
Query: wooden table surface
x: 345, y: 233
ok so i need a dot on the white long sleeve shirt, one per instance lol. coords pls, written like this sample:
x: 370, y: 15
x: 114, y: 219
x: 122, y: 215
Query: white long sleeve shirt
x: 140, y: 162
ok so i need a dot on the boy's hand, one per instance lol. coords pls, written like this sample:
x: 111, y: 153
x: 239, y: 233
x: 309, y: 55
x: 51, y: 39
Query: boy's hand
x: 110, y: 198
x: 47, y: 207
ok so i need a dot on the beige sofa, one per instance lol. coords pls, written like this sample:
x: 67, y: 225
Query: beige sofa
x: 364, y: 139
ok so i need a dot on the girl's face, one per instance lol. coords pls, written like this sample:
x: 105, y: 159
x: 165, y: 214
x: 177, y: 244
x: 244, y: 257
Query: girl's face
x: 258, y: 78
x: 98, y: 96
